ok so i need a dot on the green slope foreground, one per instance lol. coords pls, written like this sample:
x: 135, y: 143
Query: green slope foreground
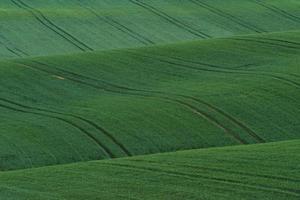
x: 264, y: 171
x: 35, y: 27
x: 218, y: 92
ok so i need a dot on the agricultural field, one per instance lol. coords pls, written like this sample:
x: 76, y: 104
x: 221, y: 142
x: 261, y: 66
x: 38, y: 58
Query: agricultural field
x: 145, y: 99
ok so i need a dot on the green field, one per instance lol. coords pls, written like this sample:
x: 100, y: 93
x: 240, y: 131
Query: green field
x: 186, y: 89
x: 30, y: 28
x: 264, y: 171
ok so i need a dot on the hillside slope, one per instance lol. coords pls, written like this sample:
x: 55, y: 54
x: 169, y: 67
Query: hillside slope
x: 31, y: 28
x: 265, y: 171
x: 217, y: 92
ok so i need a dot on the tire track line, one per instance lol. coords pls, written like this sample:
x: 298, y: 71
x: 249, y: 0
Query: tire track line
x: 218, y: 69
x: 190, y: 107
x: 231, y: 70
x: 273, y: 42
x: 217, y: 110
x: 193, y: 176
x: 170, y: 19
x: 276, y: 40
x: 213, y: 169
x: 11, y: 50
x: 119, y: 26
x: 234, y: 120
x: 102, y: 146
x: 11, y: 47
x: 205, y: 115
x: 228, y: 16
x: 93, y: 124
x: 40, y: 17
x: 245, y: 72
x: 263, y: 42
x: 277, y: 10
x: 231, y: 118
x: 88, y: 78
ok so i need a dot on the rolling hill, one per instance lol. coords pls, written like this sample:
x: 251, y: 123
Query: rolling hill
x: 129, y: 102
x: 67, y: 26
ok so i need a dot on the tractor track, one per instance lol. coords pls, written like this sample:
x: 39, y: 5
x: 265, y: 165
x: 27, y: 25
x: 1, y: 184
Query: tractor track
x: 218, y: 69
x: 89, y: 135
x: 40, y: 17
x: 227, y: 16
x: 117, y: 25
x: 213, y: 169
x: 263, y: 42
x: 277, y: 11
x: 93, y: 124
x: 221, y: 112
x: 193, y: 176
x: 170, y: 19
x: 11, y: 47
x: 158, y: 95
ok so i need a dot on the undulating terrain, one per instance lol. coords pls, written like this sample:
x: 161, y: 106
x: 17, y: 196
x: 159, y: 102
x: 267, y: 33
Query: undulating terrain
x: 147, y: 99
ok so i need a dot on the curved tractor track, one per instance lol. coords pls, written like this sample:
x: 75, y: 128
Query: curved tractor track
x: 41, y: 18
x: 165, y: 96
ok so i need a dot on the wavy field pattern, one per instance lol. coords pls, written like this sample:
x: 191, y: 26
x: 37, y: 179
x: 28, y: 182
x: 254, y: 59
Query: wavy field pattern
x: 75, y: 26
x: 202, y: 95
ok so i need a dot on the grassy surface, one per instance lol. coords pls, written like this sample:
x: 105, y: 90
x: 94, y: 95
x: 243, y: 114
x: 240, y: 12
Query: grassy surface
x: 264, y: 171
x: 148, y: 99
x: 30, y: 28
x: 88, y: 106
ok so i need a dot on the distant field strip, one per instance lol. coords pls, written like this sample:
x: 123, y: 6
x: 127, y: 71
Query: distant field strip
x: 75, y: 26
x: 217, y: 173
